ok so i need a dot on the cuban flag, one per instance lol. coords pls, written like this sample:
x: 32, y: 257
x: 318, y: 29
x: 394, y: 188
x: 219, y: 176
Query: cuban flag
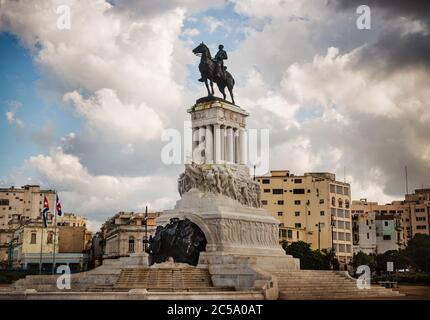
x: 58, y: 207
x: 45, y: 212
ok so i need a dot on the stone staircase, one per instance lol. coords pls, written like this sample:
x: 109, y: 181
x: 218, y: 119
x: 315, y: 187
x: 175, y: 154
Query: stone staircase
x: 326, y: 285
x: 167, y: 279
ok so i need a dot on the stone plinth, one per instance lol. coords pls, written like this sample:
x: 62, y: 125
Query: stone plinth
x: 242, y: 241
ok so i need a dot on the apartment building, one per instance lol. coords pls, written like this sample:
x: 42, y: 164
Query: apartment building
x: 314, y: 208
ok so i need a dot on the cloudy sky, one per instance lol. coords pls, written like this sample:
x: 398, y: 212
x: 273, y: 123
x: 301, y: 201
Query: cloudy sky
x: 83, y: 109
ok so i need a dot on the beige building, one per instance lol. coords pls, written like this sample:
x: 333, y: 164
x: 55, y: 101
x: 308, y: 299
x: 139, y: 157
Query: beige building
x: 314, y: 208
x: 17, y: 207
x: 33, y: 244
x: 126, y: 232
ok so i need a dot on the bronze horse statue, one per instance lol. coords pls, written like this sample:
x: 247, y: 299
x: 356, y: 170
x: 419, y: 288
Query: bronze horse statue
x: 208, y: 70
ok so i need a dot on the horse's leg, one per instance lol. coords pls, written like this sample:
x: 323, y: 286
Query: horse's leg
x: 230, y: 89
x: 212, y: 86
x: 222, y: 89
x: 207, y: 86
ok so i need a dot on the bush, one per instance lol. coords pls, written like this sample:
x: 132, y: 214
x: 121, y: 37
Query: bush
x: 310, y: 259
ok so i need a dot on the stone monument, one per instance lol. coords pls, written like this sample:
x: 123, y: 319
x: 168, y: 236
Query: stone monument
x: 220, y: 197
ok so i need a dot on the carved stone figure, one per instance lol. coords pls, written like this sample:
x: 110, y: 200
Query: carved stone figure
x: 220, y: 180
x: 180, y: 239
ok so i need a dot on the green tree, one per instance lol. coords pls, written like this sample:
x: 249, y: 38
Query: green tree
x: 360, y: 258
x: 418, y: 252
x: 398, y: 259
x: 310, y: 259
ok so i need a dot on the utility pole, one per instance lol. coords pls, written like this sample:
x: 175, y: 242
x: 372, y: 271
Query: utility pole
x: 55, y: 238
x: 41, y: 250
x: 146, y: 228
x: 406, y: 177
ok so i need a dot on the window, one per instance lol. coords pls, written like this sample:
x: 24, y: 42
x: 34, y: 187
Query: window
x: 266, y: 181
x: 386, y: 223
x: 347, y: 225
x: 289, y: 234
x: 347, y: 203
x: 340, y: 225
x: 348, y: 248
x: 280, y: 202
x: 387, y: 237
x: 367, y: 235
x: 421, y: 227
x: 334, y: 235
x: 333, y: 201
x: 280, y: 213
x: 297, y: 225
x: 297, y: 180
x: 4, y: 202
x: 131, y: 244
x: 339, y: 189
x: 264, y: 202
x: 341, y: 248
x: 266, y: 190
x: 322, y: 213
x: 277, y: 191
x: 421, y: 218
x: 298, y: 191
x: 346, y: 191
x: 346, y: 213
x: 340, y: 202
x: 340, y: 213
x: 297, y: 213
x: 321, y: 201
x: 297, y: 202
x: 348, y: 236
x: 50, y: 238
x: 33, y: 238
x: 332, y: 188
x: 340, y: 236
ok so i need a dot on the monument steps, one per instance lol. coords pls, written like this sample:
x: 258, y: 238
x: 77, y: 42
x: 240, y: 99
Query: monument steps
x: 167, y: 280
x: 325, y: 285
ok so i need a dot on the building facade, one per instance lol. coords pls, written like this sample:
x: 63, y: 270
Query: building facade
x: 381, y: 227
x: 376, y: 232
x: 35, y: 246
x: 126, y: 233
x: 19, y: 206
x: 314, y: 208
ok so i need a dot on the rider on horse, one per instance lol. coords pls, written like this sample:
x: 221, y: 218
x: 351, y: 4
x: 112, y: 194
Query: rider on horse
x: 219, y: 58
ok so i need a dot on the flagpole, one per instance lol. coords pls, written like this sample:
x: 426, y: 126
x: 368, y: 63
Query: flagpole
x: 41, y: 249
x: 55, y: 235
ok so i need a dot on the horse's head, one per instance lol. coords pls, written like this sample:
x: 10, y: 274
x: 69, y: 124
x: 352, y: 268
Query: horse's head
x: 200, y: 49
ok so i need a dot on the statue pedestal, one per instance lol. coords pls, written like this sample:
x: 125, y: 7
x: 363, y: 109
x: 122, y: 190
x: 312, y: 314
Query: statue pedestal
x: 242, y: 241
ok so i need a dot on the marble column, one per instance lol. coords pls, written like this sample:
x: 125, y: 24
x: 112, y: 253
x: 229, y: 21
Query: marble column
x: 230, y: 145
x: 217, y: 143
x: 243, y: 146
x: 195, y: 142
x: 209, y: 147
x: 236, y: 146
x: 222, y: 143
x: 202, y: 144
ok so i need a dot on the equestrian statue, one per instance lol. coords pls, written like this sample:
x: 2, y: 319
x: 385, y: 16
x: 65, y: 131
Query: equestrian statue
x: 213, y: 69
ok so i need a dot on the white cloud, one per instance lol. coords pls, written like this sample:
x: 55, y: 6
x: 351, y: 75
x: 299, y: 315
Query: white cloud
x: 100, y: 196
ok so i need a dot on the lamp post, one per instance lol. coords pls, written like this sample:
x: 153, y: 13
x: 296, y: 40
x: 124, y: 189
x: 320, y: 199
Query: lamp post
x: 146, y: 228
x: 319, y: 235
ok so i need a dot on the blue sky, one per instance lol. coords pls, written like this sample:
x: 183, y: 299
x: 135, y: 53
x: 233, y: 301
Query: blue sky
x: 19, y: 93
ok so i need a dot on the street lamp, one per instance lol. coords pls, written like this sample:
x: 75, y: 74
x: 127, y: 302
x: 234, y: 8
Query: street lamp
x: 319, y: 235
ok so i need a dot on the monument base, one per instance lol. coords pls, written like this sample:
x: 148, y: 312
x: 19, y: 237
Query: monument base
x: 242, y: 241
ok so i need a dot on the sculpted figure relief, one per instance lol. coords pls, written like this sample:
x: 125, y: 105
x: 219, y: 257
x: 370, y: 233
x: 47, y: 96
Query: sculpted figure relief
x: 220, y: 180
